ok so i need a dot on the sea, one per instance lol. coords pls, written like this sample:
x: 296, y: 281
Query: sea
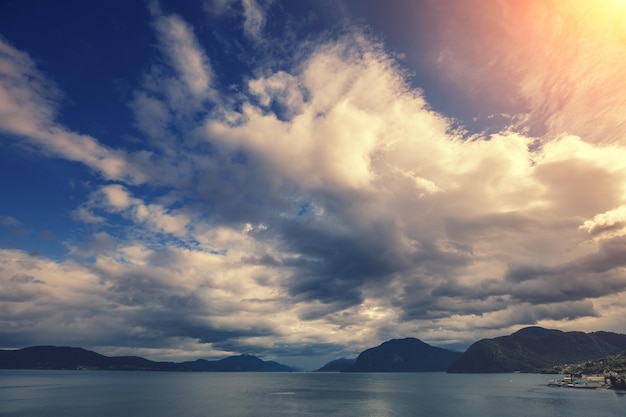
x: 34, y: 393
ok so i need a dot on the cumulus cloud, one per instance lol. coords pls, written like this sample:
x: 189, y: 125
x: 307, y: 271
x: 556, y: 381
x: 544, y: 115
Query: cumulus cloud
x: 412, y: 210
x: 612, y: 222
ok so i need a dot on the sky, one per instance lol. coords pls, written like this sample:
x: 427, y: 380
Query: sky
x: 302, y: 180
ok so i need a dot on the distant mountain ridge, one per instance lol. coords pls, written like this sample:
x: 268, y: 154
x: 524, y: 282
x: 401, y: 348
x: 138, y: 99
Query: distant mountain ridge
x: 241, y: 363
x: 57, y: 357
x: 536, y: 349
x: 531, y: 349
x: 338, y: 365
x: 404, y: 355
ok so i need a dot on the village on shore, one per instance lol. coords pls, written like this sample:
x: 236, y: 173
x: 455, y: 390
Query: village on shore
x: 607, y: 381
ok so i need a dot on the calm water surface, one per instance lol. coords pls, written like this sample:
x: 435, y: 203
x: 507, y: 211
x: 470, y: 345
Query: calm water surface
x: 164, y: 394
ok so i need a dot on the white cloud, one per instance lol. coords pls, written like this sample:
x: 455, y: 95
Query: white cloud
x: 180, y: 45
x: 336, y: 130
x: 28, y: 108
x: 280, y: 88
x: 62, y: 301
x: 116, y: 197
x: 82, y: 214
x: 27, y: 98
x: 254, y: 19
x: 611, y: 223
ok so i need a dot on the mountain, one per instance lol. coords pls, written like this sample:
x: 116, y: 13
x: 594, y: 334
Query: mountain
x: 536, y: 350
x: 535, y: 332
x: 404, y: 355
x: 55, y: 357
x: 338, y: 365
x: 241, y: 363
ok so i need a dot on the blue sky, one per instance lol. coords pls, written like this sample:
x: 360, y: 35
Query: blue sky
x: 301, y: 180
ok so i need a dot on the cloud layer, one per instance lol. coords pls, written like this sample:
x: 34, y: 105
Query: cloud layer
x: 323, y: 208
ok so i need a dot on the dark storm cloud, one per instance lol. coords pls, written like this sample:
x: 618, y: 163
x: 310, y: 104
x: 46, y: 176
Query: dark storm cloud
x: 333, y: 263
x: 594, y: 275
x: 555, y: 292
x: 231, y: 192
x: 441, y: 298
x: 548, y: 292
x: 336, y: 263
x: 167, y: 322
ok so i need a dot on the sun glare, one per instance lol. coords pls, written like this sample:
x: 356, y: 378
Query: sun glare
x: 604, y: 12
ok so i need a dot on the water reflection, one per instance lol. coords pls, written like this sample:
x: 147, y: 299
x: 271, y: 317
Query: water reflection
x: 137, y: 394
